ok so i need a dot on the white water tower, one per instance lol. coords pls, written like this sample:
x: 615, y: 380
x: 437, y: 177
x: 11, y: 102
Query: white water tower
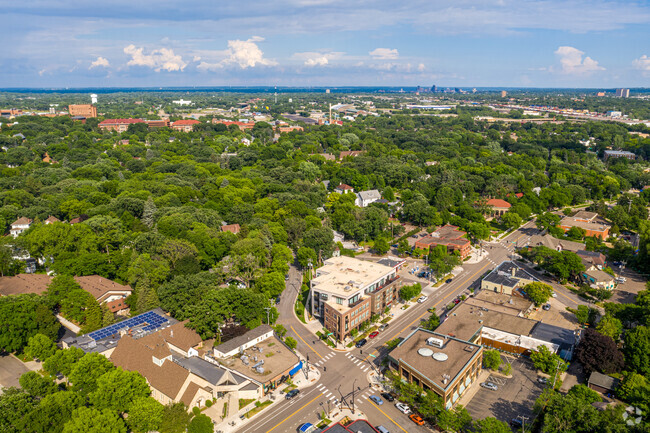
x: 93, y: 99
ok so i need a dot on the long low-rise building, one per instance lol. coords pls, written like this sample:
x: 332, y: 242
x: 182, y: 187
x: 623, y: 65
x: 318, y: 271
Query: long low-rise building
x: 590, y: 222
x: 346, y: 291
x: 450, y: 237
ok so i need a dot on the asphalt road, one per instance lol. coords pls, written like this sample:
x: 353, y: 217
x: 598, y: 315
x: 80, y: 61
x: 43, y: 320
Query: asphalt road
x: 340, y: 371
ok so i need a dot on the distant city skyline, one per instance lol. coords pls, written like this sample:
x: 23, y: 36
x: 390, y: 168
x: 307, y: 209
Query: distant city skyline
x: 462, y: 43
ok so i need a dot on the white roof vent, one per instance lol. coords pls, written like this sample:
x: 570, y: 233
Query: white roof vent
x: 425, y: 351
x: 441, y: 357
x: 436, y: 342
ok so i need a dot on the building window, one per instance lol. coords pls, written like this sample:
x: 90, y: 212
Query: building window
x: 339, y: 300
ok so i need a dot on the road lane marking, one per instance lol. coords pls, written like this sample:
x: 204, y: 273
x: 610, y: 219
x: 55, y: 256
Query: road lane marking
x: 305, y: 405
x: 386, y: 415
x: 314, y: 350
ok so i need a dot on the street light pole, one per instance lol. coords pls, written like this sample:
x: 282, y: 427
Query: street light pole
x: 353, y: 389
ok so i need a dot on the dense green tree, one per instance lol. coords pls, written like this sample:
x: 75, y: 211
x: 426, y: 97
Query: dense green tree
x: 491, y: 425
x: 37, y: 385
x: 637, y: 350
x: 547, y: 361
x: 200, y: 424
x: 52, y: 412
x: 91, y: 420
x: 15, y: 404
x: 62, y: 361
x: 175, y: 418
x: 409, y: 292
x: 431, y: 323
x: 492, y: 359
x: 87, y: 370
x: 145, y: 415
x: 599, y: 352
x: 117, y: 389
x: 22, y: 317
x: 610, y: 326
x: 40, y: 346
x: 539, y: 293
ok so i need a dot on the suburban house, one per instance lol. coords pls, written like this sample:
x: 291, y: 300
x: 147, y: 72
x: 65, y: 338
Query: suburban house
x: 258, y: 355
x: 51, y: 220
x: 448, y: 236
x: 555, y: 243
x: 618, y: 154
x: 364, y: 198
x: 19, y: 226
x: 232, y: 228
x: 592, y: 258
x: 590, y: 222
x: 497, y: 207
x: 437, y: 362
x: 506, y: 278
x: 185, y: 125
x: 105, y: 291
x: 345, y: 292
x: 343, y: 189
x: 598, y: 279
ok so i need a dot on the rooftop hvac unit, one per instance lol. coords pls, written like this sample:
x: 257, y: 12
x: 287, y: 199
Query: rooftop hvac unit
x: 260, y: 370
x: 435, y: 342
x: 259, y: 364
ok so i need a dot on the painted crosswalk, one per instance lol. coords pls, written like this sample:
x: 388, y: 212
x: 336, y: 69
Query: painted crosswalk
x: 363, y: 365
x: 325, y: 359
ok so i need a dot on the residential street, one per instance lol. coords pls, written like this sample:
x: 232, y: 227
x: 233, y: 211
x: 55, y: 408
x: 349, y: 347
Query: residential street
x: 341, y: 370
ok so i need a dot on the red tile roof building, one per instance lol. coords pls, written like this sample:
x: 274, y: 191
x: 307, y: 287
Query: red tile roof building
x: 498, y: 206
x: 232, y: 228
x: 185, y: 125
x: 448, y: 236
x: 241, y: 125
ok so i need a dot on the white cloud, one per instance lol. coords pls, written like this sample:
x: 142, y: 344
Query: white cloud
x: 384, y: 53
x: 573, y: 63
x: 421, y: 67
x: 642, y: 63
x: 316, y: 58
x: 100, y: 62
x: 158, y: 60
x: 245, y: 54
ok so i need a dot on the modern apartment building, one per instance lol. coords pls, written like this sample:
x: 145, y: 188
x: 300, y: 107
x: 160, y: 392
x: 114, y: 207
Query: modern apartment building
x: 346, y: 291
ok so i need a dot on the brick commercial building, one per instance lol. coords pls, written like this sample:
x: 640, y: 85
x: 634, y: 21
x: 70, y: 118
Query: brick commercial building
x: 345, y: 292
x: 119, y: 125
x: 590, y: 222
x: 445, y: 365
x: 82, y: 110
x: 448, y: 236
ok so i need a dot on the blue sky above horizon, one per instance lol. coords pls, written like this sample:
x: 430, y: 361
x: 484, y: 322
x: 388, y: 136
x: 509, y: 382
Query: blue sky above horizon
x: 511, y: 43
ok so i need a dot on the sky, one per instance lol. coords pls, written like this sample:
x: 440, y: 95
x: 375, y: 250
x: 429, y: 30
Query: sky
x: 457, y: 43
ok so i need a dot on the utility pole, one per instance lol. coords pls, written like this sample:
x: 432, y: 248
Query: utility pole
x: 353, y: 389
x: 523, y: 421
x: 268, y: 315
x: 342, y: 398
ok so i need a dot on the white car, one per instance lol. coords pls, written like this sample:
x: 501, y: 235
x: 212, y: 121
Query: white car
x: 554, y: 295
x: 403, y: 408
x: 422, y: 298
x: 620, y: 279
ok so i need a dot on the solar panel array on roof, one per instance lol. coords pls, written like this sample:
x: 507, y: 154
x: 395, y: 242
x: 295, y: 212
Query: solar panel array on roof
x: 151, y: 319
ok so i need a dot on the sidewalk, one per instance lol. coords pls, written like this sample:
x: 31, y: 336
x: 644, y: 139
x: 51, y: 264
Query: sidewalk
x: 473, y: 389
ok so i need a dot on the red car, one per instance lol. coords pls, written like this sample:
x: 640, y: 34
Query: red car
x: 373, y: 334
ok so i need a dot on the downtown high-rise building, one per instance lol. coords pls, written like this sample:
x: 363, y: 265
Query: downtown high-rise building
x: 623, y: 93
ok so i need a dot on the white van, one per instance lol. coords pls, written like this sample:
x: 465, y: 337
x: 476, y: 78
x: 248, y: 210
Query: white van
x: 381, y: 429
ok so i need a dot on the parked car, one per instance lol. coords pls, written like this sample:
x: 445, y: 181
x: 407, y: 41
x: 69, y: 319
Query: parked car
x: 394, y: 246
x: 403, y: 408
x: 432, y: 310
x: 490, y: 386
x: 291, y: 394
x: 554, y: 295
x: 307, y: 428
x: 286, y: 277
x: 388, y: 397
x: 373, y: 334
x: 376, y: 399
x: 383, y: 326
x: 422, y: 298
x: 382, y: 429
x: 542, y: 379
x: 515, y: 422
x: 361, y: 342
x: 417, y: 419
x: 620, y: 279
x: 449, y: 280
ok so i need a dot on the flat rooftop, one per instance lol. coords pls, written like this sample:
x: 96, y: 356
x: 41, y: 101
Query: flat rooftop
x: 458, y: 354
x: 508, y: 274
x: 500, y: 302
x: 466, y: 320
x: 345, y: 276
x: 277, y: 358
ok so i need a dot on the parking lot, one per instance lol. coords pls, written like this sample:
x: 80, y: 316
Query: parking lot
x: 515, y: 396
x: 557, y: 315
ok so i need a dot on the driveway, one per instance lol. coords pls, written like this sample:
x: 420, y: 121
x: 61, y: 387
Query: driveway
x: 627, y: 291
x: 515, y: 396
x: 557, y: 315
x: 10, y: 371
